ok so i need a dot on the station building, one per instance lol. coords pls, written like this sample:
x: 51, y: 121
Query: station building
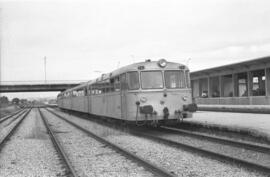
x: 244, y: 83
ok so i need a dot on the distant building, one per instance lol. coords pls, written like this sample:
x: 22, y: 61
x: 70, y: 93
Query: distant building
x: 241, y: 83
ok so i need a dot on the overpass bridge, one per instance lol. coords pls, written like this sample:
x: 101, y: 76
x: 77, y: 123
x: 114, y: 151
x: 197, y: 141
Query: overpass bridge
x: 37, y: 86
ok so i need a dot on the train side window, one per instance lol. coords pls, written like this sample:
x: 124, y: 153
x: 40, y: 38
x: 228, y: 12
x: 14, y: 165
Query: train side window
x: 108, y: 87
x: 103, y: 88
x: 73, y: 93
x: 93, y: 89
x: 81, y: 92
x: 133, y: 80
x: 117, y: 83
x: 111, y: 87
x: 98, y: 89
x: 89, y: 91
x: 85, y: 91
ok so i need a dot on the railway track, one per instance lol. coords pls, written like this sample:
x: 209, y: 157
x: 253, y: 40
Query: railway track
x: 13, y: 129
x: 224, y: 131
x: 10, y: 114
x: 69, y: 168
x: 247, y: 145
x: 157, y: 171
x: 18, y: 113
x: 216, y: 155
x: 250, y: 165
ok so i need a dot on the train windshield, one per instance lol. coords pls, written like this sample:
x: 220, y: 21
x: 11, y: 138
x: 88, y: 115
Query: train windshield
x: 133, y: 80
x: 151, y: 80
x: 174, y: 79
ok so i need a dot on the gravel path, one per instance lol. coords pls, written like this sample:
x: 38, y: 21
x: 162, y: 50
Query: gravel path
x: 30, y: 151
x: 90, y: 157
x: 180, y: 162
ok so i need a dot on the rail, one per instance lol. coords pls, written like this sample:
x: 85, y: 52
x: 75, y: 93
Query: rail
x: 17, y: 114
x: 221, y: 157
x: 58, y: 147
x: 11, y: 132
x: 151, y: 167
x: 246, y: 145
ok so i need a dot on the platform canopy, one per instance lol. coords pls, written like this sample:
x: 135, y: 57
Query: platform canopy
x: 241, y: 83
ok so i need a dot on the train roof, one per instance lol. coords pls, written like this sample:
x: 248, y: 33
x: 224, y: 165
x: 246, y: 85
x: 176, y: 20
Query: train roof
x: 245, y: 64
x: 148, y: 65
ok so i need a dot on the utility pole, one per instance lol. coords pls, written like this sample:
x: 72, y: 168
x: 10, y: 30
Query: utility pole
x: 45, y: 68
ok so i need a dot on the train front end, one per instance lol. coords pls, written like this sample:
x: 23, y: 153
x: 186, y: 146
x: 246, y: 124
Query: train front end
x: 164, y: 94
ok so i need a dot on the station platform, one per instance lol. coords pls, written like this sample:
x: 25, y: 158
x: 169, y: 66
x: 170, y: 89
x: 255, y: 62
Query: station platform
x: 257, y: 125
x: 263, y: 109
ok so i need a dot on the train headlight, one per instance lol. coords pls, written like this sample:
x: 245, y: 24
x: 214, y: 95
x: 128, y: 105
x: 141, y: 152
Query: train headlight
x: 143, y: 99
x: 162, y: 63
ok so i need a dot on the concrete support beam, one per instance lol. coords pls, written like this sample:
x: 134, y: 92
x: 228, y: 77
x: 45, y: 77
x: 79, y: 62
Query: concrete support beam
x: 249, y: 83
x: 208, y: 86
x: 220, y: 81
x: 233, y: 81
x: 267, y: 81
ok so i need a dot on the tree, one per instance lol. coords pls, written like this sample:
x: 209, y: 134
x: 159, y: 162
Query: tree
x: 15, y: 100
x: 4, y: 100
x: 23, y: 100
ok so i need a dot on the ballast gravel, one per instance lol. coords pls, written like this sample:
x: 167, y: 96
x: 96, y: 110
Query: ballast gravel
x: 90, y: 157
x: 7, y: 125
x: 30, y: 152
x: 245, y: 154
x: 179, y: 162
x: 4, y: 111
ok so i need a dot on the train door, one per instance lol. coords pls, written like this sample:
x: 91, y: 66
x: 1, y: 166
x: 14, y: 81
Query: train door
x: 123, y: 92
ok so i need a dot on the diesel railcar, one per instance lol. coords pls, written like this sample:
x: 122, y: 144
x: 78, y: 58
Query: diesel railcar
x: 145, y: 92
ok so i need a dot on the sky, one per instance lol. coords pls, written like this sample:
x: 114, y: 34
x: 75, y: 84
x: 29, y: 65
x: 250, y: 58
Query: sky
x: 82, y: 39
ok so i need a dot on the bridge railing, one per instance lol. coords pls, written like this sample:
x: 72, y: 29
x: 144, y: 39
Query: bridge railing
x: 33, y: 82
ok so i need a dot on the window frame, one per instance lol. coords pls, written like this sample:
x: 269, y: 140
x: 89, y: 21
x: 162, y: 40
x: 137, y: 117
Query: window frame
x: 139, y: 83
x: 184, y: 81
x: 162, y: 77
